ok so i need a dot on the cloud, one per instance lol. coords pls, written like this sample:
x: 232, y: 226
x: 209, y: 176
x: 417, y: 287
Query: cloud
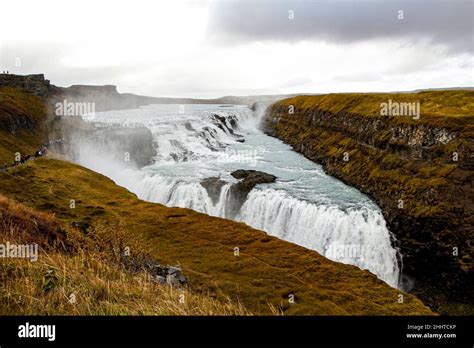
x: 450, y: 23
x: 243, y: 48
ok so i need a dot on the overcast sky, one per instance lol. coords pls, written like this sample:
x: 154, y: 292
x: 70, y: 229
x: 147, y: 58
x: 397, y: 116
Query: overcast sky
x: 216, y: 48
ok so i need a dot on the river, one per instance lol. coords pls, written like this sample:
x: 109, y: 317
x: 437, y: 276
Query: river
x: 304, y: 206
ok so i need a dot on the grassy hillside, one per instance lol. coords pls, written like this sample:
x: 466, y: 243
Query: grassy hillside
x: 75, y: 275
x: 454, y: 103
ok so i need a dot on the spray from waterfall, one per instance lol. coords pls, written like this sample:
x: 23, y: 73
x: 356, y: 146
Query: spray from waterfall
x: 304, y: 206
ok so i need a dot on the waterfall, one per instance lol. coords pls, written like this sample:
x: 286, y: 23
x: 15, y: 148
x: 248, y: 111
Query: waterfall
x: 305, y: 206
x: 359, y: 237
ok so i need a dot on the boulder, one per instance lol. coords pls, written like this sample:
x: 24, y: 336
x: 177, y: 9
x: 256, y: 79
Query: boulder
x: 253, y: 176
x: 168, y: 275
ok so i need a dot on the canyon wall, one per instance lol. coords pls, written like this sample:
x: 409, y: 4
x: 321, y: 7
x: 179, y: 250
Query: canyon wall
x: 418, y: 170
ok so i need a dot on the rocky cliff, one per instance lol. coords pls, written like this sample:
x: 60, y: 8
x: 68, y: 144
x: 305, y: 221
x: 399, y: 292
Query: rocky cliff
x: 104, y: 97
x: 34, y: 84
x: 419, y: 169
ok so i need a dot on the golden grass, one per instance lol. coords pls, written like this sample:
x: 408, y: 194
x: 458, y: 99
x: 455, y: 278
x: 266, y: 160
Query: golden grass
x: 455, y: 103
x: 87, y: 279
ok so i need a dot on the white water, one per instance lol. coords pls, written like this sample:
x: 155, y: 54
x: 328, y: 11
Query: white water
x: 305, y: 206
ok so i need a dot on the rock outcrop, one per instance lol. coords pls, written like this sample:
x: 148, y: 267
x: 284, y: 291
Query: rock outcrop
x: 104, y: 97
x: 248, y: 180
x: 14, y: 119
x: 34, y: 84
x: 213, y: 187
x: 239, y: 191
x: 228, y: 124
x: 169, y: 275
x: 418, y: 171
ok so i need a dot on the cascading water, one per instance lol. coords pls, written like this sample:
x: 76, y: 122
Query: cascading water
x: 304, y: 206
x: 356, y: 236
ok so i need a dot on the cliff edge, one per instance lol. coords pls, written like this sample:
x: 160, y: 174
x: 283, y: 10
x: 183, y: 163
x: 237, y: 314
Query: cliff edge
x: 418, y: 168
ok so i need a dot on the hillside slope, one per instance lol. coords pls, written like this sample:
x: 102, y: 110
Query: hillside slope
x: 419, y: 171
x: 86, y: 275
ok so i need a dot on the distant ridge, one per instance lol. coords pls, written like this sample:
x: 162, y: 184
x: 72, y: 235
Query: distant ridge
x: 445, y: 89
x: 106, y: 97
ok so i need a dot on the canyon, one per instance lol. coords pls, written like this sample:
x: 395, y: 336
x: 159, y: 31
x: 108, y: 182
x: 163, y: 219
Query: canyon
x: 383, y: 212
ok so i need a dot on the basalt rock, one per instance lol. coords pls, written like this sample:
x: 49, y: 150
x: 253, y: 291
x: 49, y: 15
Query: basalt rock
x: 253, y: 177
x: 163, y: 274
